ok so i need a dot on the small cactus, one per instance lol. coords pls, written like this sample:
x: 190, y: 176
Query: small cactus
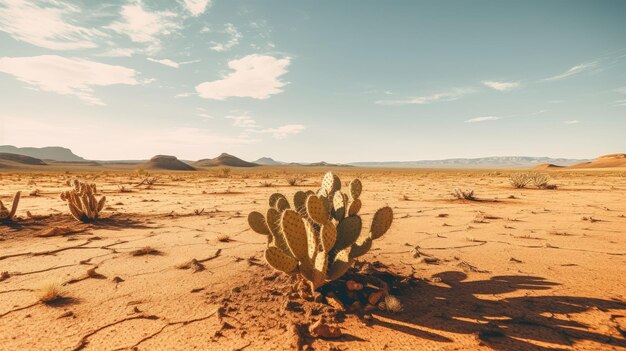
x: 5, y: 214
x: 82, y: 201
x: 319, y: 237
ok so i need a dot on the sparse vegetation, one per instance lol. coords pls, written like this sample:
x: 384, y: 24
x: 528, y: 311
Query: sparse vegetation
x: 50, y: 293
x: 223, y: 172
x: 123, y: 189
x: 223, y: 238
x: 464, y: 195
x: 82, y: 201
x: 266, y: 184
x: 5, y: 214
x: 293, y: 181
x: 146, y: 250
x: 519, y: 180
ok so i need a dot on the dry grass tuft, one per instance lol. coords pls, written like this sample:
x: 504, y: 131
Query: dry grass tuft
x: 50, y: 292
x: 146, y: 250
x: 293, y: 181
x: 267, y: 184
x: 464, y: 194
x: 223, y: 238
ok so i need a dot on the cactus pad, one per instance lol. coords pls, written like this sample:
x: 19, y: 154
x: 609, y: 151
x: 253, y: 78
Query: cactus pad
x: 339, y: 204
x: 316, y: 209
x: 274, y: 199
x: 282, y: 204
x: 293, y: 228
x: 355, y: 207
x: 280, y: 261
x: 381, y: 222
x: 257, y: 222
x: 348, y: 231
x: 355, y: 189
x: 328, y: 235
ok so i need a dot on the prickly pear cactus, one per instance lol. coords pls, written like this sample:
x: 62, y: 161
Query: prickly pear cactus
x: 319, y: 237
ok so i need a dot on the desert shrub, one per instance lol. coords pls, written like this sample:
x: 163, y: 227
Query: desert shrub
x: 266, y: 184
x: 319, y: 237
x: 519, y: 180
x: 223, y: 172
x: 540, y: 180
x: 293, y: 181
x: 464, y: 194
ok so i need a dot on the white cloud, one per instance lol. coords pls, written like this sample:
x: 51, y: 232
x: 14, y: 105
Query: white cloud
x: 254, y: 76
x: 67, y: 76
x: 283, y: 131
x: 235, y: 36
x: 243, y: 121
x: 451, y: 95
x: 620, y: 102
x: 621, y: 90
x: 145, y: 27
x: 166, y: 62
x: 196, y: 7
x: 482, y: 119
x: 501, y: 86
x: 48, y: 26
x: 572, y: 122
x: 573, y: 71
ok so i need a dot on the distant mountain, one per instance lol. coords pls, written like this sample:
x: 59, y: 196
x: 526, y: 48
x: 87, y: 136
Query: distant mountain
x: 486, y: 162
x: 10, y: 161
x: 224, y: 160
x: 165, y: 162
x: 56, y: 153
x: 268, y: 161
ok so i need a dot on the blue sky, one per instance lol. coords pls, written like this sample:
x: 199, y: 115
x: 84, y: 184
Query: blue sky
x: 337, y: 81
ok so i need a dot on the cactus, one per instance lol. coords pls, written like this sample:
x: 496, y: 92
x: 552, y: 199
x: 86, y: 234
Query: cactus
x: 5, y: 214
x: 319, y: 237
x: 82, y: 201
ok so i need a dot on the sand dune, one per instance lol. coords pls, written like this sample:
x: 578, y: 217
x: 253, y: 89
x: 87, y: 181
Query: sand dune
x: 606, y: 161
x: 165, y: 162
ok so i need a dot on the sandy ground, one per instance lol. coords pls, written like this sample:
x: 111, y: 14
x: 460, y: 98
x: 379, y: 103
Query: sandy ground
x: 521, y: 269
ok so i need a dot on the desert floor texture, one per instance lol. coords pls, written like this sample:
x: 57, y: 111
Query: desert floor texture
x: 519, y: 269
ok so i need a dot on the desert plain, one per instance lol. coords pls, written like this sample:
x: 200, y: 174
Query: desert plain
x: 173, y: 265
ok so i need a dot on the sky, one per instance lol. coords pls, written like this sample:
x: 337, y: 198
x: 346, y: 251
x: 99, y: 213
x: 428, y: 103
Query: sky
x: 339, y: 81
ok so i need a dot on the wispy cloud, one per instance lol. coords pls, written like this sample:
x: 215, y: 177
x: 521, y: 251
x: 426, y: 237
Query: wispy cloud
x: 47, y: 25
x: 284, y: 131
x: 254, y: 76
x: 243, y: 121
x: 451, y: 95
x: 165, y: 62
x: 196, y: 7
x: 234, y: 38
x: 67, y: 76
x: 583, y: 67
x: 482, y: 119
x: 146, y: 27
x: 250, y: 125
x: 501, y: 86
x: 574, y: 121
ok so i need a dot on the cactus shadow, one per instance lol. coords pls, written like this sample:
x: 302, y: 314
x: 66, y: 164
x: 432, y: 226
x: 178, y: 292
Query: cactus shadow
x: 455, y: 306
